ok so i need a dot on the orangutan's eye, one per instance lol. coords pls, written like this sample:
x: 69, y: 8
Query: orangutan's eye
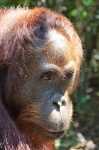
x: 68, y: 75
x: 47, y: 76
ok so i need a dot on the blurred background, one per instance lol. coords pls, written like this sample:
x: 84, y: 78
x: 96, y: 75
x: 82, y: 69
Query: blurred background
x: 83, y: 133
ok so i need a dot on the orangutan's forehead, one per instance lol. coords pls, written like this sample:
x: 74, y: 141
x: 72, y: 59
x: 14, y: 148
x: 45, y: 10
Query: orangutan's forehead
x: 57, y: 44
x: 57, y: 39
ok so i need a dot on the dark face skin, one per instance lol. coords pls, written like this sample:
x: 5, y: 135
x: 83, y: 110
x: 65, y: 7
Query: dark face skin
x: 45, y: 105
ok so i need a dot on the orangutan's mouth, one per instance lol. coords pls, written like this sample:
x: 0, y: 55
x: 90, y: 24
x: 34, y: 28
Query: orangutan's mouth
x: 54, y: 134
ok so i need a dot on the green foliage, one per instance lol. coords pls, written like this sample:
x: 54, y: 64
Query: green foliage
x: 66, y: 143
x: 88, y: 2
x: 82, y: 104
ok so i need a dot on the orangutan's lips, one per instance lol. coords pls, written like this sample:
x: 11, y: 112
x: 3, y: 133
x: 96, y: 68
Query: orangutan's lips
x: 54, y: 134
